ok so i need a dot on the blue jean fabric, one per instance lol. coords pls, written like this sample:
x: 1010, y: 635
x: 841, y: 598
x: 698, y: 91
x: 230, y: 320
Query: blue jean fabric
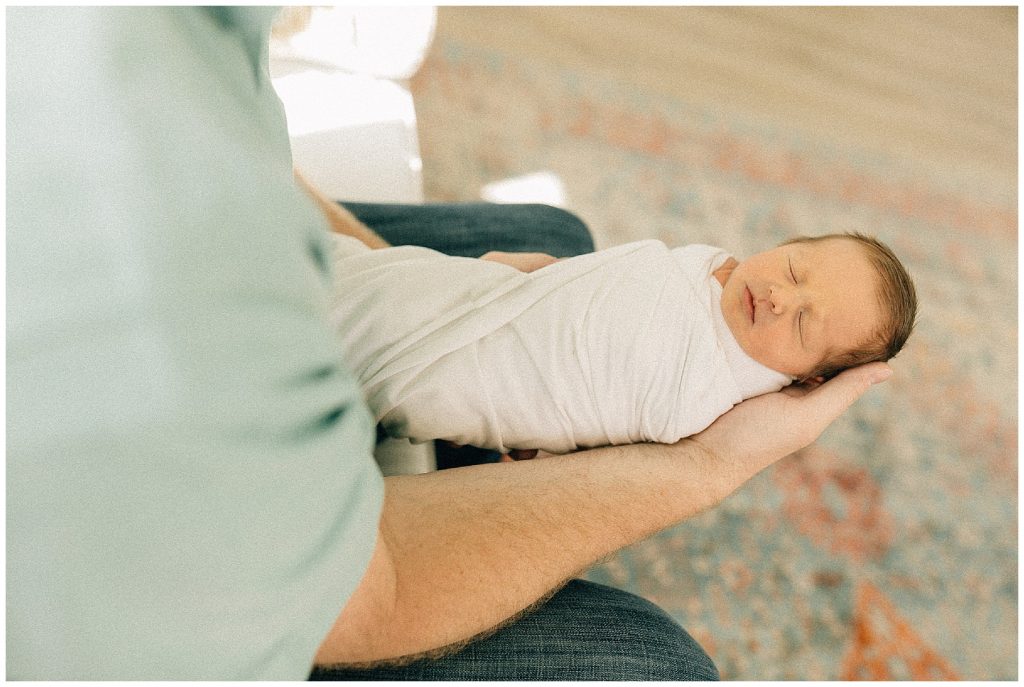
x: 472, y: 229
x: 586, y: 631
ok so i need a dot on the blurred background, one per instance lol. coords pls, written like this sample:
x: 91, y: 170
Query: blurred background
x: 888, y: 550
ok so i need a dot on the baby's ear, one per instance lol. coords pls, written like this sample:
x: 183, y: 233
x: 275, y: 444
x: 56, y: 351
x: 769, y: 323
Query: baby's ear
x: 813, y: 382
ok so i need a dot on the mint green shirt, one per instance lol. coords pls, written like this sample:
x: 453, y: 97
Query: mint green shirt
x: 190, y: 485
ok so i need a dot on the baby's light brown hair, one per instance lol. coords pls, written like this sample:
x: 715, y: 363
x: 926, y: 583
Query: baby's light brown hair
x: 896, y: 296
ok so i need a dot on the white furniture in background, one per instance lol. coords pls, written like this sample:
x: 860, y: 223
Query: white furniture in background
x: 353, y: 135
x: 352, y: 123
x: 351, y: 118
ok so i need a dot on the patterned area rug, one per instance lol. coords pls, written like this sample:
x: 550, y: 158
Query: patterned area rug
x: 888, y: 550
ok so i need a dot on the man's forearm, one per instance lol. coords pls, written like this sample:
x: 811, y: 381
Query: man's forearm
x: 341, y: 220
x: 466, y: 549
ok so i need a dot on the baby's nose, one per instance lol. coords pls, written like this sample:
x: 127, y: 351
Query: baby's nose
x: 778, y: 298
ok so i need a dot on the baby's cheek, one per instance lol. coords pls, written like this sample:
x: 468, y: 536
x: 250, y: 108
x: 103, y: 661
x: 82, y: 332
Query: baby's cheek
x: 787, y: 355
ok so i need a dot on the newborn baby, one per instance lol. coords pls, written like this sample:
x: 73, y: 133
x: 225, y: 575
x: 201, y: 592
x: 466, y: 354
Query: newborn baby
x: 636, y: 343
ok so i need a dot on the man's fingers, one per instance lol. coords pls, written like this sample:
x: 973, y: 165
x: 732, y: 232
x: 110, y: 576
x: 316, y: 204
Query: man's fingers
x: 831, y: 399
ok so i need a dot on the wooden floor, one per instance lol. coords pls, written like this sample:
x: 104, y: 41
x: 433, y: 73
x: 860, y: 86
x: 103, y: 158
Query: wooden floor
x: 933, y: 85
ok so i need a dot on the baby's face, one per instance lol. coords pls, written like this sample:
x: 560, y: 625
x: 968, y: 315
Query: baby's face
x: 792, y: 307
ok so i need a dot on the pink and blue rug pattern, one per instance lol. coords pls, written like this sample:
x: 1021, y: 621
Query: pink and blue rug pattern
x: 887, y: 550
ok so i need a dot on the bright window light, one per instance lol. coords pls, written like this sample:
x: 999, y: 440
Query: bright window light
x: 538, y: 187
x: 388, y: 42
x: 319, y: 101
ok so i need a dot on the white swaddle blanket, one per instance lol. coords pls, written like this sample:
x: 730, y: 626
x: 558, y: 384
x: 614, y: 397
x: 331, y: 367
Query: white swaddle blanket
x: 624, y: 345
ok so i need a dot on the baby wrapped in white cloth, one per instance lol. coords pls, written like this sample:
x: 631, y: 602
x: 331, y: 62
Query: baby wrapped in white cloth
x: 619, y: 346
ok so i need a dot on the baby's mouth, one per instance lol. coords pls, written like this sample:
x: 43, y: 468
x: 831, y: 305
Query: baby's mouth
x: 748, y: 303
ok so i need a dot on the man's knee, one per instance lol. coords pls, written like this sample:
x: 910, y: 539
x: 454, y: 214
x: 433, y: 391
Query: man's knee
x: 653, y: 645
x: 669, y: 652
x: 567, y: 231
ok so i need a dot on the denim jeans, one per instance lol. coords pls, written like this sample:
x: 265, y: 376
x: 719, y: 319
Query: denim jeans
x: 472, y: 229
x: 586, y: 631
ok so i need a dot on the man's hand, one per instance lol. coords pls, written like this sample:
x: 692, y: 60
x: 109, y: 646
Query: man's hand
x: 761, y: 430
x: 524, y: 262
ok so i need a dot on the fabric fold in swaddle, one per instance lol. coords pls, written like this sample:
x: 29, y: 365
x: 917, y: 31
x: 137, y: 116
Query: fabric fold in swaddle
x: 613, y: 347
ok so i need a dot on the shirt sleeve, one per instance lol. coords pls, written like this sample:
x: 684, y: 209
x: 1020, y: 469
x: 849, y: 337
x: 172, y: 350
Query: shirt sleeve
x: 191, y: 490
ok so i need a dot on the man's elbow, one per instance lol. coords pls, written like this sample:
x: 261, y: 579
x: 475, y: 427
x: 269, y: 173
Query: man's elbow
x: 362, y: 632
